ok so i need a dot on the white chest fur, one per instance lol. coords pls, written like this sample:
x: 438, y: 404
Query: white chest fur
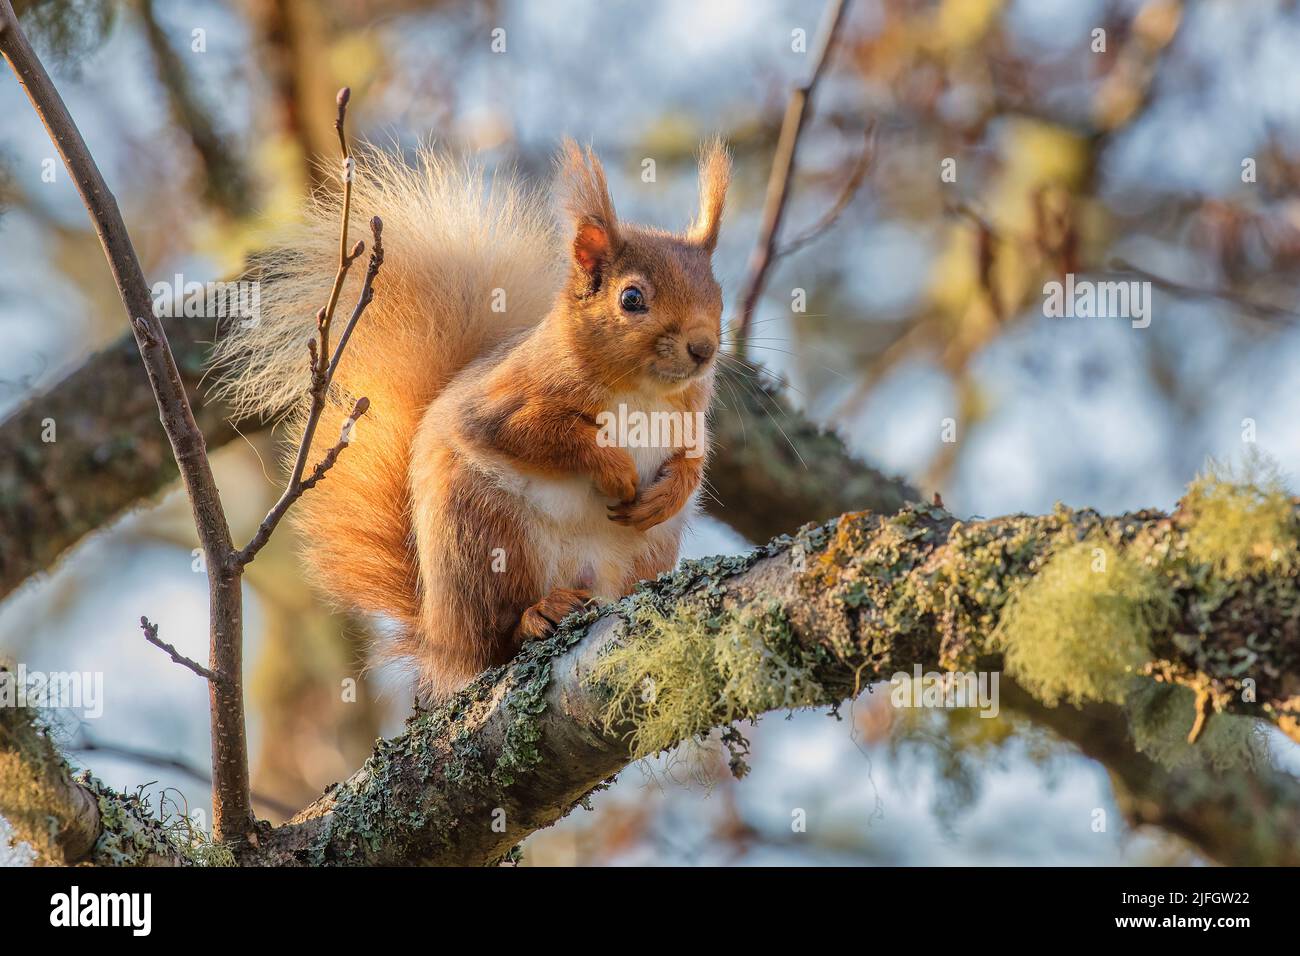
x: 567, y: 519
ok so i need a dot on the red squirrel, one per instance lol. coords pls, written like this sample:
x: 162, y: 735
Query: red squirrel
x: 480, y: 501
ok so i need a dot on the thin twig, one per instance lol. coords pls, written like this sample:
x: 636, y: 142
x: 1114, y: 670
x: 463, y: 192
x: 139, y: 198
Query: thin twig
x: 1119, y: 267
x: 367, y: 293
x: 345, y: 258
x: 151, y: 635
x: 345, y: 437
x: 861, y: 166
x: 324, y: 363
x: 319, y: 395
x: 295, y: 491
x: 147, y: 757
x: 1182, y: 290
x: 778, y: 183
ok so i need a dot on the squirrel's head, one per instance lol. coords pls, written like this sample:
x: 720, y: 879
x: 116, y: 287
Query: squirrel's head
x: 644, y: 306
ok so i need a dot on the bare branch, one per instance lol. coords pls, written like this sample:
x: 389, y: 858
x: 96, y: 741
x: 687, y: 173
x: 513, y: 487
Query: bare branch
x: 225, y: 180
x: 233, y: 817
x: 295, y: 491
x: 322, y: 372
x: 151, y: 635
x: 1184, y: 290
x: 86, y: 744
x: 857, y: 175
x: 345, y: 259
x: 778, y: 183
x: 345, y: 436
x: 367, y: 291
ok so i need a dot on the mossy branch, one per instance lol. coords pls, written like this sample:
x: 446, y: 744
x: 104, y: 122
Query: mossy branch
x: 806, y: 621
x: 809, y: 620
x: 67, y: 817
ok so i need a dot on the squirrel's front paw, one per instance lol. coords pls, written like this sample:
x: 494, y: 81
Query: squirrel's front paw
x: 653, y: 506
x: 539, y: 620
x: 617, y: 477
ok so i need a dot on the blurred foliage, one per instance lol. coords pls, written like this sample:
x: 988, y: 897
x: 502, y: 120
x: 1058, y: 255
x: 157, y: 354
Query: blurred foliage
x: 1161, y: 716
x: 66, y: 29
x: 959, y: 747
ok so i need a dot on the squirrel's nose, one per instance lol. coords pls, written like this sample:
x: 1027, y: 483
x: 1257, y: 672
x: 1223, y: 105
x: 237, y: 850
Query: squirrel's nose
x: 701, y: 350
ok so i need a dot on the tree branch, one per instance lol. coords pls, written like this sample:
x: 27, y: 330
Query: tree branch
x: 1237, y: 819
x: 843, y: 605
x: 778, y: 183
x: 323, y: 367
x: 526, y: 743
x: 232, y: 814
x: 772, y: 468
x: 71, y: 466
x: 63, y: 816
x: 857, y: 175
x: 151, y: 635
x: 232, y: 808
x: 225, y: 180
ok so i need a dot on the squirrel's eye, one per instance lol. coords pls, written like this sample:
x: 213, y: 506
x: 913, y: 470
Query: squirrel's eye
x: 632, y: 299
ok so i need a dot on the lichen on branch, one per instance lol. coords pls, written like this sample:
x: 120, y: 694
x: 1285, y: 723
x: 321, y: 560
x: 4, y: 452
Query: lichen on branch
x: 811, y: 619
x: 68, y: 816
x: 679, y: 675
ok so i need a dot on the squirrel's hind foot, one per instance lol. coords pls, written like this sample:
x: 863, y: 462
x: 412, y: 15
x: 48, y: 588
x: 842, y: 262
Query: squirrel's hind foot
x: 539, y: 620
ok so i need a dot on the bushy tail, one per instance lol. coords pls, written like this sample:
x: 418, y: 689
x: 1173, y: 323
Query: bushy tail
x: 456, y: 242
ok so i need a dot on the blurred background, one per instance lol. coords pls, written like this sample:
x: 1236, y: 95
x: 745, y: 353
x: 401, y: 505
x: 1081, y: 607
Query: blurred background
x: 1165, y: 148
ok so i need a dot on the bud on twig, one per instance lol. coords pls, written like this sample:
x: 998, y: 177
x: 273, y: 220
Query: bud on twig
x: 345, y: 94
x: 345, y: 433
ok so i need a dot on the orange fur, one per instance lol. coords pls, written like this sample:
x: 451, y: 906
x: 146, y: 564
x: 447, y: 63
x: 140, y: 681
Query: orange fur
x: 476, y: 504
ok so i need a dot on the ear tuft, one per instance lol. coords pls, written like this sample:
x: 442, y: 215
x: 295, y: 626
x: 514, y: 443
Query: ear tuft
x: 715, y: 175
x: 586, y: 195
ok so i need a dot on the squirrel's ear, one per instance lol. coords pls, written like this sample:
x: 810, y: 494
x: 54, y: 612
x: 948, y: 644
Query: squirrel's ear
x: 595, y: 237
x: 715, y: 174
